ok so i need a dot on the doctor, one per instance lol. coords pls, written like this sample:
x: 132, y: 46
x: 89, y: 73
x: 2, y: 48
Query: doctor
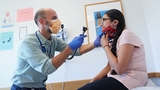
x: 36, y: 58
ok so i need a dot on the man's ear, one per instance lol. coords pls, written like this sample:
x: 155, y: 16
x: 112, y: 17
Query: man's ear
x: 40, y: 20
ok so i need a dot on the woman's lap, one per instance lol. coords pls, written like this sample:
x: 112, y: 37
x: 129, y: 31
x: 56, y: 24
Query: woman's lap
x: 107, y: 83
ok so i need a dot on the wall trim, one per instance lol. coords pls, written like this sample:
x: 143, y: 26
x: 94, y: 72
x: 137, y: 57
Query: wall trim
x: 154, y: 74
x: 74, y: 85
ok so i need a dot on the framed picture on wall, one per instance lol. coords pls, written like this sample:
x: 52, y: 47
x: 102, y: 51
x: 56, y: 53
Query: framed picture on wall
x: 7, y: 19
x: 22, y: 32
x: 94, y: 13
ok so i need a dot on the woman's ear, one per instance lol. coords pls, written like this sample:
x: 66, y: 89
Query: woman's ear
x: 115, y: 22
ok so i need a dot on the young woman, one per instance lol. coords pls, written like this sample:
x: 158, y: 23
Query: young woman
x: 126, y: 68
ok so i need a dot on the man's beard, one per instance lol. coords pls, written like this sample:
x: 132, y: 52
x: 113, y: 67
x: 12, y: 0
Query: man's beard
x: 48, y: 29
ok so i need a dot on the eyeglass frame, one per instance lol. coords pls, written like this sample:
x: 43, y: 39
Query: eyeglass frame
x: 104, y: 19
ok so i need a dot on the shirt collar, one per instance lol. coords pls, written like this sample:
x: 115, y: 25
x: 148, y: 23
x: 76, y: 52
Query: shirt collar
x: 41, y: 37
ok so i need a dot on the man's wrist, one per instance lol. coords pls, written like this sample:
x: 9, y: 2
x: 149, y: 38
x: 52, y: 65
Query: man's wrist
x: 68, y: 49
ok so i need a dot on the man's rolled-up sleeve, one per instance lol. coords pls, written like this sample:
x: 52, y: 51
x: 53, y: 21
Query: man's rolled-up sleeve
x: 49, y: 68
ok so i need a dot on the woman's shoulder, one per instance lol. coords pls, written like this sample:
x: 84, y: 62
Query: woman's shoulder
x: 128, y: 33
x: 130, y: 37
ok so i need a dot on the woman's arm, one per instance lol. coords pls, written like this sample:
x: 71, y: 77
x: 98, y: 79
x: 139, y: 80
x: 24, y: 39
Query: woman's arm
x: 125, y: 53
x: 102, y: 74
x: 120, y: 63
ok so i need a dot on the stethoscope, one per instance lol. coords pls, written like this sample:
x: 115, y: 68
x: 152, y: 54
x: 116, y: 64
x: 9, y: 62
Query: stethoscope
x: 42, y: 46
x: 84, y: 30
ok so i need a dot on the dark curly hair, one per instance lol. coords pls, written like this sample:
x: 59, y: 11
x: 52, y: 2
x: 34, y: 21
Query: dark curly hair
x: 115, y: 14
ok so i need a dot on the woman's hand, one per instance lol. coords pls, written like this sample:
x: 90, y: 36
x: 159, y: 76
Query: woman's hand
x: 93, y: 80
x: 104, y: 40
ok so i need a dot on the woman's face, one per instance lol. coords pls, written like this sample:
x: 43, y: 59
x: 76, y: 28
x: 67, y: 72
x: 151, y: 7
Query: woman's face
x: 105, y: 21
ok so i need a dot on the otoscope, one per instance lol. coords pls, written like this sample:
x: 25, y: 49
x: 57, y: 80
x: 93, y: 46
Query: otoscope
x: 84, y: 30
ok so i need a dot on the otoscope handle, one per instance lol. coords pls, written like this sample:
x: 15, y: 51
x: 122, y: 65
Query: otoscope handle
x: 84, y: 30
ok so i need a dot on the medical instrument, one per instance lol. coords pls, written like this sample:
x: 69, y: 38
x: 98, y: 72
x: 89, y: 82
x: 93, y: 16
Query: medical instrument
x: 84, y: 30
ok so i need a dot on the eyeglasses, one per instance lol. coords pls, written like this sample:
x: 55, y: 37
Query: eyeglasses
x: 104, y: 19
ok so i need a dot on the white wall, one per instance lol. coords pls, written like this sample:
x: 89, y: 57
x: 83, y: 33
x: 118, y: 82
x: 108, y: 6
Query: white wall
x: 135, y: 21
x: 72, y: 15
x: 152, y: 17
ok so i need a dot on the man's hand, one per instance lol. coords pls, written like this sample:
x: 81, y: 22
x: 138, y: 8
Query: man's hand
x: 97, y: 41
x: 77, y: 42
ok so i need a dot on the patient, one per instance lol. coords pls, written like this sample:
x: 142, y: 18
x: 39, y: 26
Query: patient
x: 126, y: 67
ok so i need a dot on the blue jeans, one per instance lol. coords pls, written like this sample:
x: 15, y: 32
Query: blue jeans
x: 15, y: 87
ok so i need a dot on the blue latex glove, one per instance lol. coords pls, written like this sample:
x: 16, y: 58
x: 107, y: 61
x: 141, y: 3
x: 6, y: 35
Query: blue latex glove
x: 77, y: 42
x: 97, y: 41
